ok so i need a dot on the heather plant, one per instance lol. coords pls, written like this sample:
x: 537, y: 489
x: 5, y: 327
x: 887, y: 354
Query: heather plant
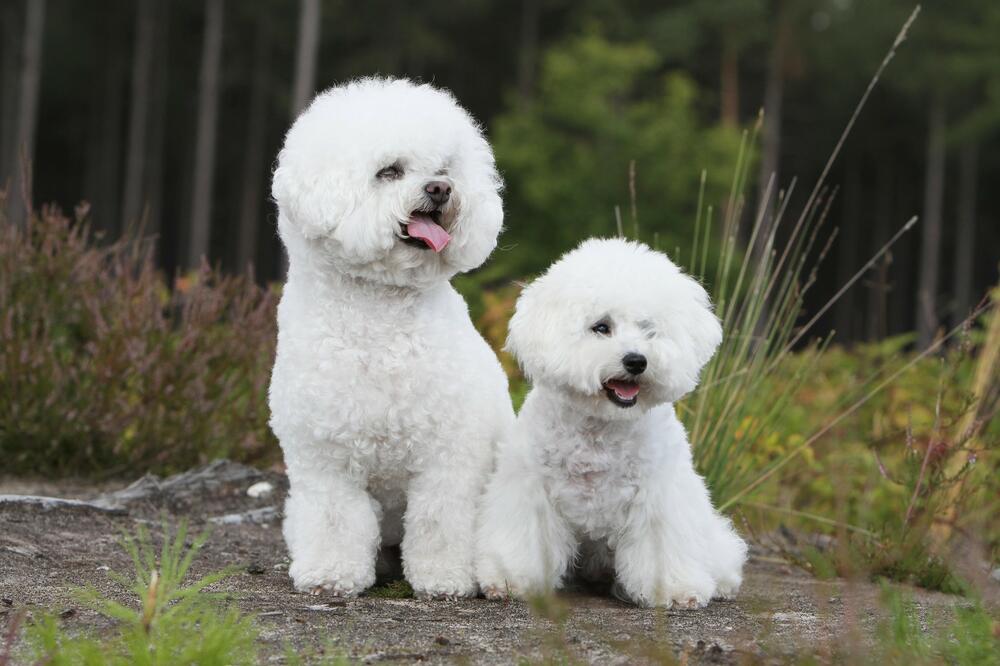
x: 106, y: 369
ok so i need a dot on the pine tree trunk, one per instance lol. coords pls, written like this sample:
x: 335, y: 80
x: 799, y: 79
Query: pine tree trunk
x: 879, y: 282
x: 101, y: 180
x: 253, y: 163
x: 306, y: 54
x: 930, y: 251
x: 305, y: 69
x: 965, y: 249
x: 527, y: 56
x: 158, y: 122
x: 204, y: 154
x: 774, y: 94
x: 19, y: 198
x: 138, y: 124
x: 845, y: 315
x: 10, y: 16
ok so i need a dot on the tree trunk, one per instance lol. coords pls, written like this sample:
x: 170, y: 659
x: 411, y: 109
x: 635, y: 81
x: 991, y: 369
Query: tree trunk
x: 204, y: 154
x: 101, y: 182
x: 19, y: 199
x: 878, y: 289
x: 930, y: 251
x: 527, y: 56
x: 305, y: 56
x: 138, y: 124
x: 158, y: 122
x: 965, y: 250
x: 729, y: 82
x: 774, y: 93
x: 10, y: 15
x: 253, y: 163
x: 305, y: 69
x: 845, y: 315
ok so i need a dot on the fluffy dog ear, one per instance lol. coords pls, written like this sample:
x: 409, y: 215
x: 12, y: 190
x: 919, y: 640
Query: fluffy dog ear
x: 313, y: 201
x: 701, y: 327
x: 528, y: 331
x: 476, y: 239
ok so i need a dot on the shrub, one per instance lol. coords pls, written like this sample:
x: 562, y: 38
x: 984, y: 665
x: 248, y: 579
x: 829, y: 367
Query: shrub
x: 106, y: 369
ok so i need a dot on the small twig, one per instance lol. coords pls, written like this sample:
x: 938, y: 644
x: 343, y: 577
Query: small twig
x: 11, y: 636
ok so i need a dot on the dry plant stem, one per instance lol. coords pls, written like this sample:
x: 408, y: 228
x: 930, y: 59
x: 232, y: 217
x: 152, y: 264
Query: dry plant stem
x: 984, y: 383
x: 695, y: 269
x: 843, y: 415
x: 631, y: 196
x: 850, y: 283
x: 10, y: 636
x: 811, y: 516
x: 923, y: 464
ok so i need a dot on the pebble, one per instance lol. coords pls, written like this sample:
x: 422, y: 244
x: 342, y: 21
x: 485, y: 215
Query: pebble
x: 260, y: 490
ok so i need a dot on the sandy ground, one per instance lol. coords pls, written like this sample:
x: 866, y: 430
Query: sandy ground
x: 47, y: 547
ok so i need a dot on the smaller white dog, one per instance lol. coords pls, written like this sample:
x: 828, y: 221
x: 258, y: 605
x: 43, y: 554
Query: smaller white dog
x: 599, y: 470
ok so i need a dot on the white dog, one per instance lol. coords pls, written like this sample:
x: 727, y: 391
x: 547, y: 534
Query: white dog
x: 387, y: 402
x: 599, y: 469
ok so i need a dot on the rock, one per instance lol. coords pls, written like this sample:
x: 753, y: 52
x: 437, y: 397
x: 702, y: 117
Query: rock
x: 54, y: 503
x: 259, y: 516
x: 260, y: 490
x: 214, y: 488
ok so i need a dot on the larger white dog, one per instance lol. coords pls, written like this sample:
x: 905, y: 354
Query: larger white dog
x: 385, y: 399
x: 599, y: 469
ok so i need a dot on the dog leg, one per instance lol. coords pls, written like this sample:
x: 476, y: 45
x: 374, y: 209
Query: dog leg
x: 332, y: 531
x: 675, y: 544
x: 524, y: 546
x: 438, y: 532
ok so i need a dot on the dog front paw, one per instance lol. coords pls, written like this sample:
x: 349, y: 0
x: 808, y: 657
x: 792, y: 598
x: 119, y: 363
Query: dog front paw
x: 728, y: 588
x: 684, y: 595
x: 441, y: 583
x: 341, y: 579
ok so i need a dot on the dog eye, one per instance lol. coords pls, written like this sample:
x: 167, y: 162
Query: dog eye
x: 391, y: 172
x: 601, y: 328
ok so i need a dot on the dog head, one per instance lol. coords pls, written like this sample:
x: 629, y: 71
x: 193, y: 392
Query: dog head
x: 389, y: 181
x: 616, y: 326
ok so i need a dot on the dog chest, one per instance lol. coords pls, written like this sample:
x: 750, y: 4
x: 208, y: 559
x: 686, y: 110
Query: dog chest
x: 592, y: 483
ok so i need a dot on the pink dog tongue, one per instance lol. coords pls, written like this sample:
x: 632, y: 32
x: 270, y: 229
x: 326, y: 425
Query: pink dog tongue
x: 624, y: 390
x: 424, y: 228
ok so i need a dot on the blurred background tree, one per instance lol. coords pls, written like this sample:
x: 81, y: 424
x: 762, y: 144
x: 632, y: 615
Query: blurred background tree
x: 168, y: 114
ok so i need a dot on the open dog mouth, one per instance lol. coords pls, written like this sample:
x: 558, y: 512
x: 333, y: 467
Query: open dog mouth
x: 423, y: 229
x: 622, y: 392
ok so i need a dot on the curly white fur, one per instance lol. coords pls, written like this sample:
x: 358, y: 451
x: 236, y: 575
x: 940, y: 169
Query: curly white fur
x: 387, y: 402
x: 586, y: 480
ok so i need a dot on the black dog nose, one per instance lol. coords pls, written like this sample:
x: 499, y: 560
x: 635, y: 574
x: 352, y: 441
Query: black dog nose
x: 438, y: 191
x: 634, y: 363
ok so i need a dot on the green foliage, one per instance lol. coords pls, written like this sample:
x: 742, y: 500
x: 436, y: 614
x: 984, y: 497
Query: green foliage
x: 104, y: 369
x: 916, y: 466
x: 171, y: 622
x: 397, y: 589
x: 568, y: 155
x: 970, y: 639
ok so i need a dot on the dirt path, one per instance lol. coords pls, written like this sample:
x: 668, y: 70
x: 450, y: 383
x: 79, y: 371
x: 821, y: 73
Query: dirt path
x: 48, y: 546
